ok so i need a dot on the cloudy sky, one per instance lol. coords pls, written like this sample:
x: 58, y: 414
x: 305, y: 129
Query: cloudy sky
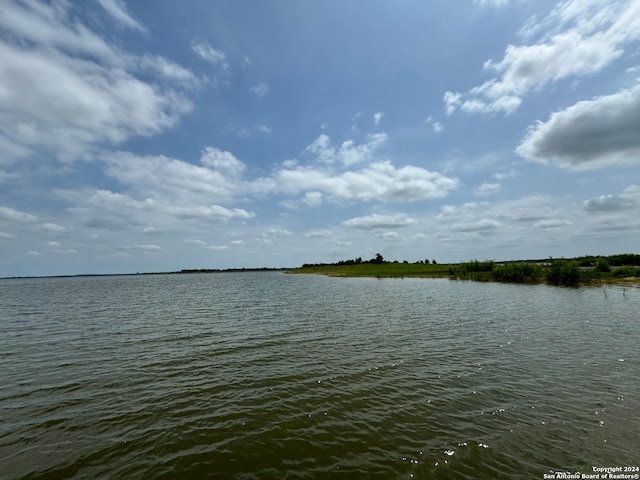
x: 155, y: 136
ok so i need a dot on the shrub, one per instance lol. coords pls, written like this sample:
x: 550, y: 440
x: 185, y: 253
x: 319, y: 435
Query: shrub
x: 477, y: 266
x: 520, y: 272
x: 626, y: 272
x: 602, y: 265
x: 563, y: 273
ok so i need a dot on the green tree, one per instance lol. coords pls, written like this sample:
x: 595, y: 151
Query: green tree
x: 602, y: 265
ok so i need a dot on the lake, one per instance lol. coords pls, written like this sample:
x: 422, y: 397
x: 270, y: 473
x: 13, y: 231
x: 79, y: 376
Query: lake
x: 258, y: 375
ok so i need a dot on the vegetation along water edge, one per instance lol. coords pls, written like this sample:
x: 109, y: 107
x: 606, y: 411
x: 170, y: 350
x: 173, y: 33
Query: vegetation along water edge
x: 585, y: 270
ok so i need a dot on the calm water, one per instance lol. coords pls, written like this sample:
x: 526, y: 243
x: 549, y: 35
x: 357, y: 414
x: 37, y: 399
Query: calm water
x: 267, y: 375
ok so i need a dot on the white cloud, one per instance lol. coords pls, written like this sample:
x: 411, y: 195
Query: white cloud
x: 614, y: 216
x: 347, y: 153
x: 379, y: 181
x: 505, y: 175
x: 260, y: 89
x: 627, y: 201
x: 487, y: 189
x: 169, y: 70
x: 377, y: 117
x: 52, y: 227
x: 32, y: 253
x: 204, y: 246
x: 209, y: 54
x: 118, y: 10
x: 452, y: 101
x: 581, y: 40
x: 376, y: 222
x: 313, y: 199
x: 49, y: 25
x: 147, y: 248
x: 322, y: 233
x: 551, y: 224
x: 511, y: 218
x: 106, y: 210
x: 591, y: 134
x: 222, y: 161
x: 160, y: 175
x: 9, y: 214
x: 65, y: 90
x: 437, y: 126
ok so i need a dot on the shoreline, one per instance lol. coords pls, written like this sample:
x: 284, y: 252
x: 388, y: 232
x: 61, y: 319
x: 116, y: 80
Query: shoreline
x: 400, y: 271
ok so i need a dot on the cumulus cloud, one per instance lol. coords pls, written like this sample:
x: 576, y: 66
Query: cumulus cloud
x: 160, y: 194
x: 66, y: 90
x: 347, y: 153
x: 313, y: 199
x: 451, y: 101
x: 107, y: 210
x: 160, y: 175
x: 578, y: 38
x: 628, y: 200
x: 10, y: 214
x: 515, y: 217
x: 330, y: 175
x: 377, y: 117
x: 222, y: 161
x: 591, y: 134
x: 437, y: 126
x: 378, y: 181
x: 376, y: 222
x: 204, y: 246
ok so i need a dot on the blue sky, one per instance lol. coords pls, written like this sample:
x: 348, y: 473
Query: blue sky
x: 156, y: 136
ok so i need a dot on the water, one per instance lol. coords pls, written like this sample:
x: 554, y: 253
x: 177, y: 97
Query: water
x: 267, y: 375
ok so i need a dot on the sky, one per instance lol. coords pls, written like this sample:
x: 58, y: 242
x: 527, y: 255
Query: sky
x: 159, y: 136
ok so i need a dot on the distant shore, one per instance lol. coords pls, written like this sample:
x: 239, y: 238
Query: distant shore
x: 593, y: 271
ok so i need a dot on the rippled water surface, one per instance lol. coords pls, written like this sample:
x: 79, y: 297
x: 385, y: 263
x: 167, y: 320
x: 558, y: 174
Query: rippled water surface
x: 268, y: 375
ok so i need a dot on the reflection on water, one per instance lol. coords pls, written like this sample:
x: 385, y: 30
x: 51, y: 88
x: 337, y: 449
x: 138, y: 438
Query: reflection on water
x: 266, y: 375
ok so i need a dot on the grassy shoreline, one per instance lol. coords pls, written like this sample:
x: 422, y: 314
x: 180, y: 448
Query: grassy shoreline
x: 554, y: 272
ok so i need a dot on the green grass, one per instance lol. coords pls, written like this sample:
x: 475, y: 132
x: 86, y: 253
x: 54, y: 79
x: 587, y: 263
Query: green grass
x: 556, y: 272
x: 396, y: 270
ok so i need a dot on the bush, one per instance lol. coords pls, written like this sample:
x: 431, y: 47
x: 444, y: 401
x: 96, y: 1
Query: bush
x: 626, y: 272
x: 520, y: 272
x: 602, y: 265
x: 476, y: 266
x: 563, y: 273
